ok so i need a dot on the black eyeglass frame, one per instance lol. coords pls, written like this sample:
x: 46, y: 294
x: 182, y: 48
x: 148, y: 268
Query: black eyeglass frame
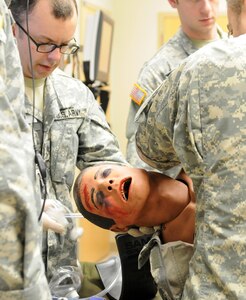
x: 54, y: 46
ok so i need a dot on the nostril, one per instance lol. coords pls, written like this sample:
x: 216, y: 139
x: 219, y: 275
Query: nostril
x: 111, y: 181
x: 109, y: 188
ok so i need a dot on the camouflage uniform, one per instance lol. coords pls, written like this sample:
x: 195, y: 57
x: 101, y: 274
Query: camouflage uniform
x: 197, y: 117
x: 151, y: 76
x: 22, y: 274
x: 74, y: 131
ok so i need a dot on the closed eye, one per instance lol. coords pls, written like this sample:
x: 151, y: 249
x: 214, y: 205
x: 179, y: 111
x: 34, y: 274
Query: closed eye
x: 100, y: 198
x: 106, y: 173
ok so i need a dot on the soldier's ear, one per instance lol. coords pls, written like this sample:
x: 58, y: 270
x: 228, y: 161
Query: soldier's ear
x: 118, y: 228
x: 173, y: 3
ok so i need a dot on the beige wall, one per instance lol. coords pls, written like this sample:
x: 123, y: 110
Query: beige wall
x: 135, y: 41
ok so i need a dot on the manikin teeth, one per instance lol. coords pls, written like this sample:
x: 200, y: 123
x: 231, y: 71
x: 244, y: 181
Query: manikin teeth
x: 125, y: 188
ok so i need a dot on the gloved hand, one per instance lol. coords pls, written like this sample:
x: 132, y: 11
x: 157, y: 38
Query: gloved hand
x: 53, y: 216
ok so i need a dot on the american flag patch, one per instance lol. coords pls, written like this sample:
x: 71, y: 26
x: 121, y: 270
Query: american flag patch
x: 138, y: 94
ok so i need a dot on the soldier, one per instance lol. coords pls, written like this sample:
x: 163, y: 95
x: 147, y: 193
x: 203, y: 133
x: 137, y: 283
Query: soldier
x: 70, y: 128
x: 21, y: 268
x: 197, y: 117
x: 197, y: 29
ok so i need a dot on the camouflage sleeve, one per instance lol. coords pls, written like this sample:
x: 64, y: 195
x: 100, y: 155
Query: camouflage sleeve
x: 150, y: 77
x: 97, y: 143
x: 21, y: 268
x: 156, y: 120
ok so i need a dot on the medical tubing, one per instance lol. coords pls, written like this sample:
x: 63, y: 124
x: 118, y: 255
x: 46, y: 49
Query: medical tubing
x: 67, y: 272
x: 59, y: 291
x: 106, y: 290
x: 109, y: 287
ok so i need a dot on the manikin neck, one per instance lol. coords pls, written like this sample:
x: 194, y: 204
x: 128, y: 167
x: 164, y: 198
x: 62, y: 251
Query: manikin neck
x: 167, y: 199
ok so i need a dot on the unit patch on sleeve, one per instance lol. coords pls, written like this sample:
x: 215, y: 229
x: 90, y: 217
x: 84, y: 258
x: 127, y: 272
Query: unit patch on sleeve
x: 138, y: 94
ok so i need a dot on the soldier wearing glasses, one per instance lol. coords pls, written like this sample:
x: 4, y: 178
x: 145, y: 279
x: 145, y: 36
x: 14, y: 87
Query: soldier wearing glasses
x: 70, y: 128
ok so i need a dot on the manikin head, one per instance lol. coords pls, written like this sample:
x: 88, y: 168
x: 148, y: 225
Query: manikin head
x: 49, y: 22
x: 119, y: 197
x: 111, y: 194
x: 236, y: 12
x: 197, y: 17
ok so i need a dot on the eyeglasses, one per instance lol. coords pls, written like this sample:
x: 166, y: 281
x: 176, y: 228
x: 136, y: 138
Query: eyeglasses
x: 68, y: 49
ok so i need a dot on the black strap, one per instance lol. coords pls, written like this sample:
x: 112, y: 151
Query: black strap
x: 136, y: 283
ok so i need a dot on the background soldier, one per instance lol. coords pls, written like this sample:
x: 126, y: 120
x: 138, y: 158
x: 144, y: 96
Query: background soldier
x: 198, y: 28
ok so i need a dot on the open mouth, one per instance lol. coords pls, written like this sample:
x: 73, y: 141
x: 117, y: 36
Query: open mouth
x: 124, y: 189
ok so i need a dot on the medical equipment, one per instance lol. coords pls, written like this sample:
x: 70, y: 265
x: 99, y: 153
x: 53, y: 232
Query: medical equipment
x: 38, y: 157
x: 73, y: 215
x: 66, y: 281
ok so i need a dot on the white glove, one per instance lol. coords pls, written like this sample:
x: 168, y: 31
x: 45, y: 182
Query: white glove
x: 54, y: 219
x: 53, y: 216
x: 136, y: 232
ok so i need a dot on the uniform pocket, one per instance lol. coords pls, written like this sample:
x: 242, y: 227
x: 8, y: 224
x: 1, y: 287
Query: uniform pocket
x: 64, y: 150
x: 170, y: 267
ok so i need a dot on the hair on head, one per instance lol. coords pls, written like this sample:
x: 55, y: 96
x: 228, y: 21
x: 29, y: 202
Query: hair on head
x: 236, y: 5
x: 61, y: 9
x: 102, y: 222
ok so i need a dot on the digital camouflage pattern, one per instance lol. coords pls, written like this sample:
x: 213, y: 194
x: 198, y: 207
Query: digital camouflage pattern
x: 169, y: 265
x: 169, y: 56
x: 22, y: 274
x: 197, y: 117
x: 74, y: 133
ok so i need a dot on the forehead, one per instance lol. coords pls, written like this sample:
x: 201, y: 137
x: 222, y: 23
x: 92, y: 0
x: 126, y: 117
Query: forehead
x: 95, y: 171
x: 116, y: 170
x: 44, y: 23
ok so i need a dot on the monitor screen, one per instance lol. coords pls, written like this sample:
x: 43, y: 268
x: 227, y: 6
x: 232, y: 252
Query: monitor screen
x: 98, y: 47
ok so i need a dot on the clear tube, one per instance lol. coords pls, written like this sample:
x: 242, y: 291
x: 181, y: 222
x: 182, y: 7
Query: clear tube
x: 67, y: 280
x: 109, y: 287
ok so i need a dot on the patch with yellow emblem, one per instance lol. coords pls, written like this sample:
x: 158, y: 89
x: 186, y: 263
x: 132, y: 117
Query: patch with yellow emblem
x: 138, y: 94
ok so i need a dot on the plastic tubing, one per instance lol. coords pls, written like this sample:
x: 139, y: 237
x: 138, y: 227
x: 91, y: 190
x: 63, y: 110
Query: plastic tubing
x: 109, y: 287
x: 100, y: 294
